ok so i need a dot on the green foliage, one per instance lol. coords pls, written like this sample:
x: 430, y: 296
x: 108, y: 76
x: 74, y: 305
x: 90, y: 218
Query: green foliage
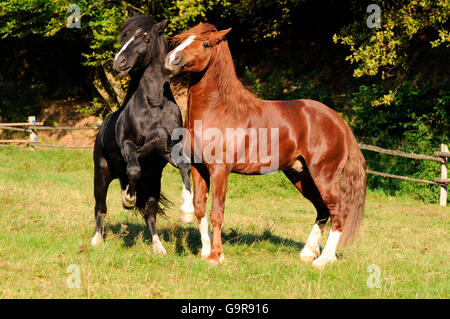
x: 94, y: 108
x: 262, y: 19
x: 287, y: 85
x: 416, y: 121
x: 257, y: 19
x: 31, y: 17
x: 416, y: 104
x: 373, y: 50
x: 101, y: 20
x: 100, y: 23
x: 380, y: 50
x: 8, y: 110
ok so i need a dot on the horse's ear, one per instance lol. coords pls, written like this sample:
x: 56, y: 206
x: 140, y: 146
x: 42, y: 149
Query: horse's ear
x: 224, y: 32
x: 161, y: 26
x: 220, y: 35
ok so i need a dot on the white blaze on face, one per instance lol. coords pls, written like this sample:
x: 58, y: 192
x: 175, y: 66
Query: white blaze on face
x: 187, y: 206
x: 181, y: 47
x: 124, y: 47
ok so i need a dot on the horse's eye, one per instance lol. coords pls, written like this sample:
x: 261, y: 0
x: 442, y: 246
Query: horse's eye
x: 205, y: 44
x: 147, y: 40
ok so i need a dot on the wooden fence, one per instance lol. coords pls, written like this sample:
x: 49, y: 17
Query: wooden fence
x: 438, y: 156
x: 31, y: 127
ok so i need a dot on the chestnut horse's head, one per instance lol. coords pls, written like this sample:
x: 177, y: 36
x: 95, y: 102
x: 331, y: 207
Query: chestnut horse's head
x: 142, y: 40
x: 194, y: 48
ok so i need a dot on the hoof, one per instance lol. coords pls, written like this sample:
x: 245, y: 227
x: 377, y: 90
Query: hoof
x: 97, y: 239
x: 206, y: 252
x: 322, y: 261
x: 128, y: 201
x: 214, y: 261
x: 308, y: 255
x: 158, y: 248
x: 307, y: 258
x: 187, y: 217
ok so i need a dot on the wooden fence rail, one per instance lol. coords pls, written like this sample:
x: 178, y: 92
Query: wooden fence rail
x: 438, y: 156
x: 441, y: 156
x: 377, y: 149
x: 32, y: 127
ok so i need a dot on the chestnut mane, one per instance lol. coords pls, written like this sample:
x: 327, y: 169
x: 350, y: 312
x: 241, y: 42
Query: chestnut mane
x: 201, y: 32
x: 221, y: 72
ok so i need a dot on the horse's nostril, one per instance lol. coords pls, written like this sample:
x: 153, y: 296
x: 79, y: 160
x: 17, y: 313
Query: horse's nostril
x: 122, y: 61
x: 176, y: 59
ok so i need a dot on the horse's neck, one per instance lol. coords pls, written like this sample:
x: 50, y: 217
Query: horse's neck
x: 219, y: 83
x: 147, y: 86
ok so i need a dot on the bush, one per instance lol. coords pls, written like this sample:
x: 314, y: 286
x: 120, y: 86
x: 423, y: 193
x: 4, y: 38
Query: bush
x: 415, y: 121
x: 286, y: 85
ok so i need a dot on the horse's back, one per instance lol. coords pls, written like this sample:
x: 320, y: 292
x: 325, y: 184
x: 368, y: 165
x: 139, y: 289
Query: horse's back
x: 311, y: 129
x: 306, y: 107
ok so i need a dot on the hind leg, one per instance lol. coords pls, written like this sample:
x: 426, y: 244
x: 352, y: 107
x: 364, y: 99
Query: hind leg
x: 331, y: 199
x: 304, y: 183
x: 325, y: 167
x: 311, y: 249
x: 102, y: 179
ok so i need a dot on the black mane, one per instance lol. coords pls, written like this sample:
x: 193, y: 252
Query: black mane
x: 135, y: 22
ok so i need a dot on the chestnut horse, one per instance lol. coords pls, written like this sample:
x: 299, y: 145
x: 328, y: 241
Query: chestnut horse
x: 310, y: 143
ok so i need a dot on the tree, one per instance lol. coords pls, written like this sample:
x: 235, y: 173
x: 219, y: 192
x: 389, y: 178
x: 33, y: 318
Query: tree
x: 99, y: 26
x: 387, y: 50
x: 101, y: 22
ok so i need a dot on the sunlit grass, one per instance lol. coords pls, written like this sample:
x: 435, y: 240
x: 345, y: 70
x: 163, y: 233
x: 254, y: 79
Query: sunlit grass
x: 46, y: 218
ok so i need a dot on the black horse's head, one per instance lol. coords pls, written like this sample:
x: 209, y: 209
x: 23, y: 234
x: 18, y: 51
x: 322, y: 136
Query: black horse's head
x: 142, y: 41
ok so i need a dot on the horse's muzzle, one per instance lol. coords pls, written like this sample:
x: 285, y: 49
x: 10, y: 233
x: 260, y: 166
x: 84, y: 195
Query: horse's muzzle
x: 174, y: 63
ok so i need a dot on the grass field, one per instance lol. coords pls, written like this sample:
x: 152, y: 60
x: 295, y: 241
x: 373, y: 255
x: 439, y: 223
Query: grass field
x: 46, y: 218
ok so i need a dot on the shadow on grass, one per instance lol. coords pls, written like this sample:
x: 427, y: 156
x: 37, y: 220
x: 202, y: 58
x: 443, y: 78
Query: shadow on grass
x: 188, y: 239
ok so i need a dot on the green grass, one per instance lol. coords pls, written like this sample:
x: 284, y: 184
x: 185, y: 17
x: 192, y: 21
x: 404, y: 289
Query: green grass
x: 46, y: 218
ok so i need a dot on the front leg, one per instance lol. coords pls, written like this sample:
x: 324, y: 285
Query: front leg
x: 219, y: 178
x: 187, y: 208
x: 129, y: 153
x: 150, y: 212
x: 200, y: 177
x: 181, y: 161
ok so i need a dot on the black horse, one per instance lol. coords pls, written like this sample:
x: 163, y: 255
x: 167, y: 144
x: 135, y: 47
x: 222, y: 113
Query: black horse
x: 134, y: 143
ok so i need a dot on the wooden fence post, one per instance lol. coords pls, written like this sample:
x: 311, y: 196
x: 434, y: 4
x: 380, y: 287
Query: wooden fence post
x: 443, y: 197
x: 33, y: 133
